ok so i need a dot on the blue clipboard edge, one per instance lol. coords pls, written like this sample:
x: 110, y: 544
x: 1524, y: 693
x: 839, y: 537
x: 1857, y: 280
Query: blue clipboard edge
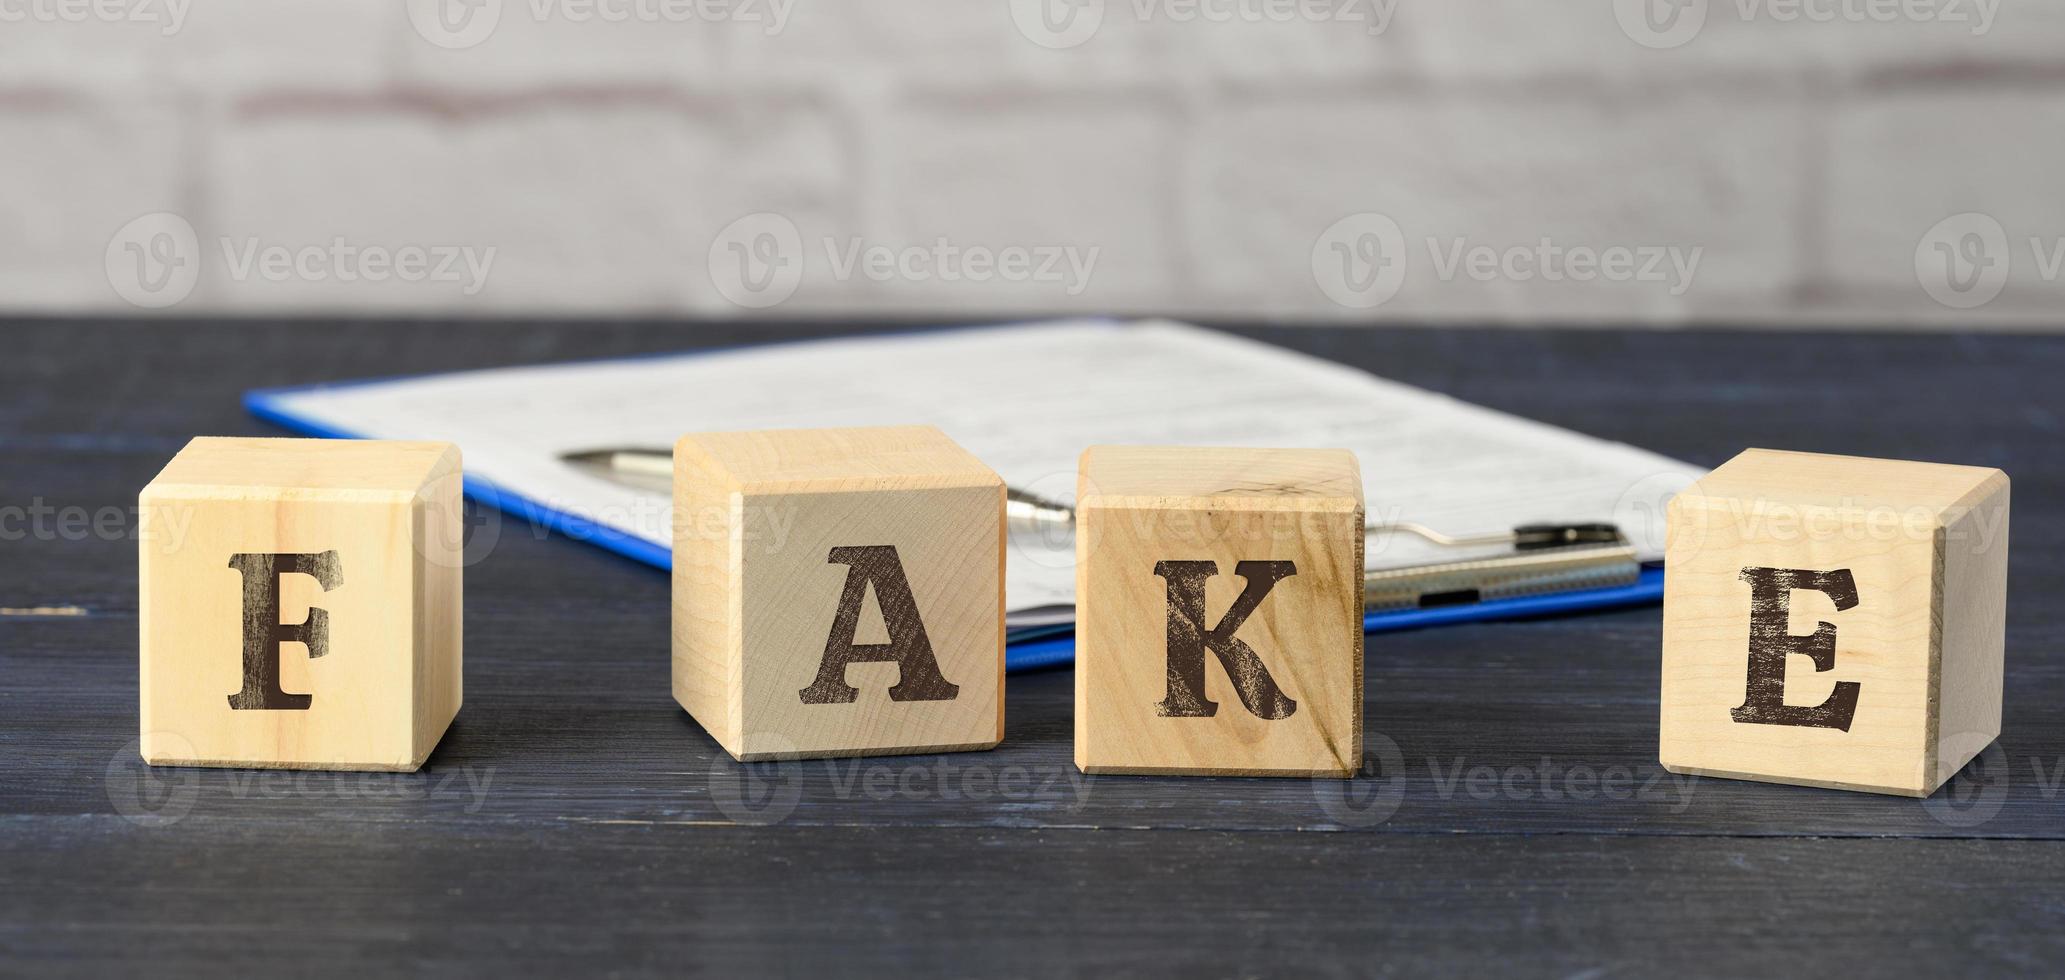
x: 1046, y: 649
x: 263, y: 403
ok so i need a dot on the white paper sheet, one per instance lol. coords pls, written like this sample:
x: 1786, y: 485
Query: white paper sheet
x: 1026, y: 400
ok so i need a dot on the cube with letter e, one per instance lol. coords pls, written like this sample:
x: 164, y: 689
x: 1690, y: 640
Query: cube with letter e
x: 838, y: 592
x: 300, y: 603
x: 1219, y: 611
x: 1834, y: 621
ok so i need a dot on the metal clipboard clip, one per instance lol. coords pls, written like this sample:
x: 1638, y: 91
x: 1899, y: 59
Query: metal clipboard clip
x: 1544, y: 558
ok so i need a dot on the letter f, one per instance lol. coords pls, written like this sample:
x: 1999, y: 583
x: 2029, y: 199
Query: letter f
x: 263, y: 631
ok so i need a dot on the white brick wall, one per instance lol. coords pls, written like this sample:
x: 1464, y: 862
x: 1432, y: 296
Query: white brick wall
x: 1517, y: 160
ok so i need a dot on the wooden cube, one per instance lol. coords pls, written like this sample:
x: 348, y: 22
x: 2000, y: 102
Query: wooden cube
x: 1218, y: 611
x: 300, y: 603
x: 838, y: 592
x: 1834, y: 621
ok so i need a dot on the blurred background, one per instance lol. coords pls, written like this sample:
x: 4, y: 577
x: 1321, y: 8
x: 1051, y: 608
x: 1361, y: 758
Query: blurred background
x: 1862, y: 163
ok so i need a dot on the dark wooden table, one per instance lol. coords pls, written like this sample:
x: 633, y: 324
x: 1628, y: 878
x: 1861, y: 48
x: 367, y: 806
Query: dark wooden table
x: 1514, y: 816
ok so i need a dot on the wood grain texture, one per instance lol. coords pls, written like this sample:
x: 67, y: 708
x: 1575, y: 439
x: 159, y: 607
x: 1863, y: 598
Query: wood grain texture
x: 375, y: 686
x: 1971, y: 616
x: 505, y: 899
x: 799, y: 547
x: 575, y: 818
x: 1913, y: 632
x: 1168, y: 685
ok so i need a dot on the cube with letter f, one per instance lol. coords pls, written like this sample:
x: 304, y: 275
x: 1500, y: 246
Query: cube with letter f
x: 838, y: 592
x: 1219, y: 611
x: 1834, y: 621
x: 300, y: 603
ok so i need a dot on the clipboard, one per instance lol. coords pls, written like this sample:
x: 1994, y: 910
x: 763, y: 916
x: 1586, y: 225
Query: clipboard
x: 1045, y: 645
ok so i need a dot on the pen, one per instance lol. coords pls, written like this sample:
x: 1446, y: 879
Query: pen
x: 653, y: 469
x: 1544, y: 557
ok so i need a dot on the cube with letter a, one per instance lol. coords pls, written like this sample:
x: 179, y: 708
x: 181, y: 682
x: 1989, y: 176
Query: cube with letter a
x: 1219, y: 611
x: 300, y: 603
x: 1834, y: 621
x: 838, y: 592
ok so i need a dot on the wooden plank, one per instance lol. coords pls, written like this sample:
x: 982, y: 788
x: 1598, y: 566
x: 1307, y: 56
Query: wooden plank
x: 102, y: 896
x: 606, y: 833
x: 571, y: 716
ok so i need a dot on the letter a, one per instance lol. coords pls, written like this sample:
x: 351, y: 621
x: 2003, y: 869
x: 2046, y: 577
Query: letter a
x: 908, y: 648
